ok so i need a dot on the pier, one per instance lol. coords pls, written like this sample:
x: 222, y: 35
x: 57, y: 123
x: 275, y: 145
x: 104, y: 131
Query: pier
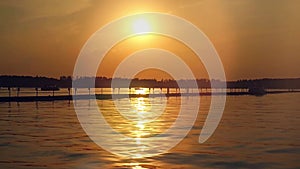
x: 102, y: 96
x: 28, y: 89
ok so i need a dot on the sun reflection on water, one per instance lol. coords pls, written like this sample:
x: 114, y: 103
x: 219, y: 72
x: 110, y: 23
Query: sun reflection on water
x: 142, y: 109
x: 138, y: 167
x: 141, y: 91
x: 141, y: 120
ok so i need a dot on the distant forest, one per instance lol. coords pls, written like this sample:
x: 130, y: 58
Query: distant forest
x: 104, y: 82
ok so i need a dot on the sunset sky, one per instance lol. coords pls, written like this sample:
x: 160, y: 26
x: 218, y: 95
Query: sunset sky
x: 254, y: 38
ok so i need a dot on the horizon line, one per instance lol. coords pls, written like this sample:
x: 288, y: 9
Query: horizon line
x: 162, y: 79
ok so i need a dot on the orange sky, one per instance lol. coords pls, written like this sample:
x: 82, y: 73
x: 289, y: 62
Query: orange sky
x: 254, y: 38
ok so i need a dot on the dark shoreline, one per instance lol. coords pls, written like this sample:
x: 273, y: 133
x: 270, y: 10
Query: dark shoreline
x: 120, y: 96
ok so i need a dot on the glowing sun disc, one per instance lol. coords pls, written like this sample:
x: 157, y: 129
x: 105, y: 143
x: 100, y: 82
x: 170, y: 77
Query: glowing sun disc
x: 141, y: 26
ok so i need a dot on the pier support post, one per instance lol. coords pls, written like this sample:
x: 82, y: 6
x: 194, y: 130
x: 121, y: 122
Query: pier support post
x: 9, y: 91
x: 36, y: 92
x: 18, y: 92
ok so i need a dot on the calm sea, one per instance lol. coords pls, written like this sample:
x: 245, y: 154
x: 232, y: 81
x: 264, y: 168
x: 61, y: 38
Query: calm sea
x: 255, y: 132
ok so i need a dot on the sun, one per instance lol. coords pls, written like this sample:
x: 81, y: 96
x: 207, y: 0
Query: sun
x: 141, y: 26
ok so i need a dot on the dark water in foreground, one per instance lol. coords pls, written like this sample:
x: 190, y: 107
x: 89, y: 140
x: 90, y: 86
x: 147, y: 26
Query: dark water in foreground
x: 255, y: 132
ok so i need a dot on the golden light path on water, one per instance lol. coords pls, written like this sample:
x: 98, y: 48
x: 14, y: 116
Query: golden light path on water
x: 146, y: 117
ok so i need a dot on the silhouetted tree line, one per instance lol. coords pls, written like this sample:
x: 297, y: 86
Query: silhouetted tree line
x: 27, y: 81
x: 104, y: 82
x: 289, y: 83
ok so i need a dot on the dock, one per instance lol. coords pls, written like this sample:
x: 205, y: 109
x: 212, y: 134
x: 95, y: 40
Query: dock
x: 120, y: 96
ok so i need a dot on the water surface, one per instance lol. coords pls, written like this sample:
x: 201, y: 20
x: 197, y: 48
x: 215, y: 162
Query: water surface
x: 255, y: 132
